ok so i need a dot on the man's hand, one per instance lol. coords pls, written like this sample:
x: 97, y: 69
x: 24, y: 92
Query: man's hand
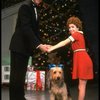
x: 44, y: 47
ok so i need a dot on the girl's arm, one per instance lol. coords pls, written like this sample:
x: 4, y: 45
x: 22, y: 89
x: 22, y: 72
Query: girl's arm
x: 60, y: 44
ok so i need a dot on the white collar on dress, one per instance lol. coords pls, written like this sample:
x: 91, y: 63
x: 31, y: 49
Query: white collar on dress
x: 81, y: 32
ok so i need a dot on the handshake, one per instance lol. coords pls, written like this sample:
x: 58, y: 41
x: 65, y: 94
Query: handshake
x: 45, y: 48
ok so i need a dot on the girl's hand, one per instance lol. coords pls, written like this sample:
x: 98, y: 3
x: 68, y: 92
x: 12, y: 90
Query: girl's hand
x: 50, y: 49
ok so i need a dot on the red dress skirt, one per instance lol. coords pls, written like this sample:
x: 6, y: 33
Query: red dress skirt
x: 82, y: 63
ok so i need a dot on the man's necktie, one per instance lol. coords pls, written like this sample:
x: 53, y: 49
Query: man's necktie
x: 35, y: 11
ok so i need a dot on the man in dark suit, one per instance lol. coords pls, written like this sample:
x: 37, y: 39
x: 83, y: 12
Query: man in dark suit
x: 25, y: 39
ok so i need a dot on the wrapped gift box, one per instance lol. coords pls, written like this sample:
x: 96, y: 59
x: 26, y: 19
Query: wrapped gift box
x: 35, y: 79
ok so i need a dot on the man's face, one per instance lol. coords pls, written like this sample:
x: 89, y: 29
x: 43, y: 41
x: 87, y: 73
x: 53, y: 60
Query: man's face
x: 37, y: 2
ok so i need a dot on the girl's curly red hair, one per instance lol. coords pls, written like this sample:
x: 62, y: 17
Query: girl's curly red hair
x: 76, y: 21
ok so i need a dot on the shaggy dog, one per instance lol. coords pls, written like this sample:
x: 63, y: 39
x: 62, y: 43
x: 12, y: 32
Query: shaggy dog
x: 58, y: 89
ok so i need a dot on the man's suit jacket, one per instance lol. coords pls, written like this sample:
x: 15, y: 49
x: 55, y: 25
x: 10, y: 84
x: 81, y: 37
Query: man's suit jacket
x: 26, y: 36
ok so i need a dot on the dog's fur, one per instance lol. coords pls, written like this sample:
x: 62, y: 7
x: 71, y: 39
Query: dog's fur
x: 58, y: 89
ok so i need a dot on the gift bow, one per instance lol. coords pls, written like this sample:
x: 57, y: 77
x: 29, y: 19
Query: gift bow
x: 38, y: 81
x: 54, y: 65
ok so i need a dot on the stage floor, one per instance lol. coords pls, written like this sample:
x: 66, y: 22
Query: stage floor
x: 92, y: 93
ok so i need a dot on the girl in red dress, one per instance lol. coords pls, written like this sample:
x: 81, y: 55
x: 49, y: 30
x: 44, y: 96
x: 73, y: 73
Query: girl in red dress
x: 82, y: 63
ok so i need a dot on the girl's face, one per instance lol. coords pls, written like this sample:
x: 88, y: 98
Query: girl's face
x: 73, y: 28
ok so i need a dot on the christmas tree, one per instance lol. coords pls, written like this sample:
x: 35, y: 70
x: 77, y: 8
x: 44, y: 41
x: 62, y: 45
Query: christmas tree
x: 53, y: 17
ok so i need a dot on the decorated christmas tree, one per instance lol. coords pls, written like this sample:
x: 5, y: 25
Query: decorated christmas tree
x: 53, y: 17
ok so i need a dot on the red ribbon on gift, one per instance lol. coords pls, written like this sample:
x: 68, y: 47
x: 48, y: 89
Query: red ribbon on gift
x: 38, y: 81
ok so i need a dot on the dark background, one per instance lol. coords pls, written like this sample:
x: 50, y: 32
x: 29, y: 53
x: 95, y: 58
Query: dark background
x: 90, y: 14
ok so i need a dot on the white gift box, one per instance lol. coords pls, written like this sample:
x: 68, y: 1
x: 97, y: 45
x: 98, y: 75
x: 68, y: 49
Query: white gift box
x: 31, y: 79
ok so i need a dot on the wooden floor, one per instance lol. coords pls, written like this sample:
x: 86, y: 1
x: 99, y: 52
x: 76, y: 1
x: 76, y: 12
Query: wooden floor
x: 92, y: 93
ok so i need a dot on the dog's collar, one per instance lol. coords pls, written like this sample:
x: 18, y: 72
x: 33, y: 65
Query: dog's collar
x: 51, y: 66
